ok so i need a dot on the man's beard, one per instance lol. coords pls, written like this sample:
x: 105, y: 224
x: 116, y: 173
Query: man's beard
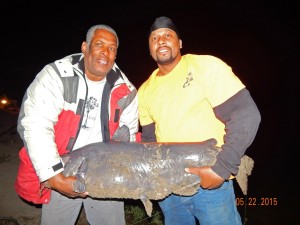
x: 165, y: 61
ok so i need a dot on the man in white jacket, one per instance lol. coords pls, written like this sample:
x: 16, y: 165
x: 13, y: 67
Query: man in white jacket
x: 80, y: 99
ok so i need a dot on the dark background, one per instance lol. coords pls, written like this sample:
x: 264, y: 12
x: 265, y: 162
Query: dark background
x: 258, y: 39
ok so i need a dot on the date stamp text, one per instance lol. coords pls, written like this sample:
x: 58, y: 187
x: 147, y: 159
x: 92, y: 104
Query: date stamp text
x: 253, y: 201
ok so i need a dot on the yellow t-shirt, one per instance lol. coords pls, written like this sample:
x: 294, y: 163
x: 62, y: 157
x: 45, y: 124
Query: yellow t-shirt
x: 180, y: 103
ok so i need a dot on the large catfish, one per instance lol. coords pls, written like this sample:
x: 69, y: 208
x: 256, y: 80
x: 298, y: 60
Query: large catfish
x: 145, y: 171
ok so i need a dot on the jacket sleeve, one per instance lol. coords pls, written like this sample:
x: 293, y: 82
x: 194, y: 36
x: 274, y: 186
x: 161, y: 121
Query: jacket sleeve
x: 41, y: 105
x: 241, y: 118
x: 129, y: 116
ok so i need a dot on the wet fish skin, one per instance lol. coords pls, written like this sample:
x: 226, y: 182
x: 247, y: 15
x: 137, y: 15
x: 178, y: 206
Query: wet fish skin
x: 136, y: 170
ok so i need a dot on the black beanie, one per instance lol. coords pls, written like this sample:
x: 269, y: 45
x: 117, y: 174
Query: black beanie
x: 163, y: 22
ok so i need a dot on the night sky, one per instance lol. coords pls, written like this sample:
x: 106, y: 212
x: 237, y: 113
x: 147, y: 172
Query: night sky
x: 258, y: 40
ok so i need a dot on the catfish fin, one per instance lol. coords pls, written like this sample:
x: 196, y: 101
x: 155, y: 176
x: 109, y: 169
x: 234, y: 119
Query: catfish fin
x: 147, y: 204
x: 76, y: 166
x: 72, y: 165
x: 245, y: 170
x: 79, y: 185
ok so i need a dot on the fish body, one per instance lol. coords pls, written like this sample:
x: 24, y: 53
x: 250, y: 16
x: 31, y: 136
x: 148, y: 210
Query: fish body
x: 137, y: 170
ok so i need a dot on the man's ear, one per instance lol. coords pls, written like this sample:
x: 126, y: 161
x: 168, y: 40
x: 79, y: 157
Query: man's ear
x: 83, y: 47
x: 180, y: 43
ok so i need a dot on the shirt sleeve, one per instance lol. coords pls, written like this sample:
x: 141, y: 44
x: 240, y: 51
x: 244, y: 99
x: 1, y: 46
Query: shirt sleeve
x: 220, y: 82
x: 241, y: 118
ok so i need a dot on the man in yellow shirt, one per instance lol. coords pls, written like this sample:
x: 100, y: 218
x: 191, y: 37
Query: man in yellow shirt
x: 191, y: 98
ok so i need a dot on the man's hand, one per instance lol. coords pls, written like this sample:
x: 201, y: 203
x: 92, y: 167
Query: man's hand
x: 64, y: 185
x: 208, y: 178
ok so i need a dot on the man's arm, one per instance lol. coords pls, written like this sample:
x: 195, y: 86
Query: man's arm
x: 241, y: 118
x: 41, y: 105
